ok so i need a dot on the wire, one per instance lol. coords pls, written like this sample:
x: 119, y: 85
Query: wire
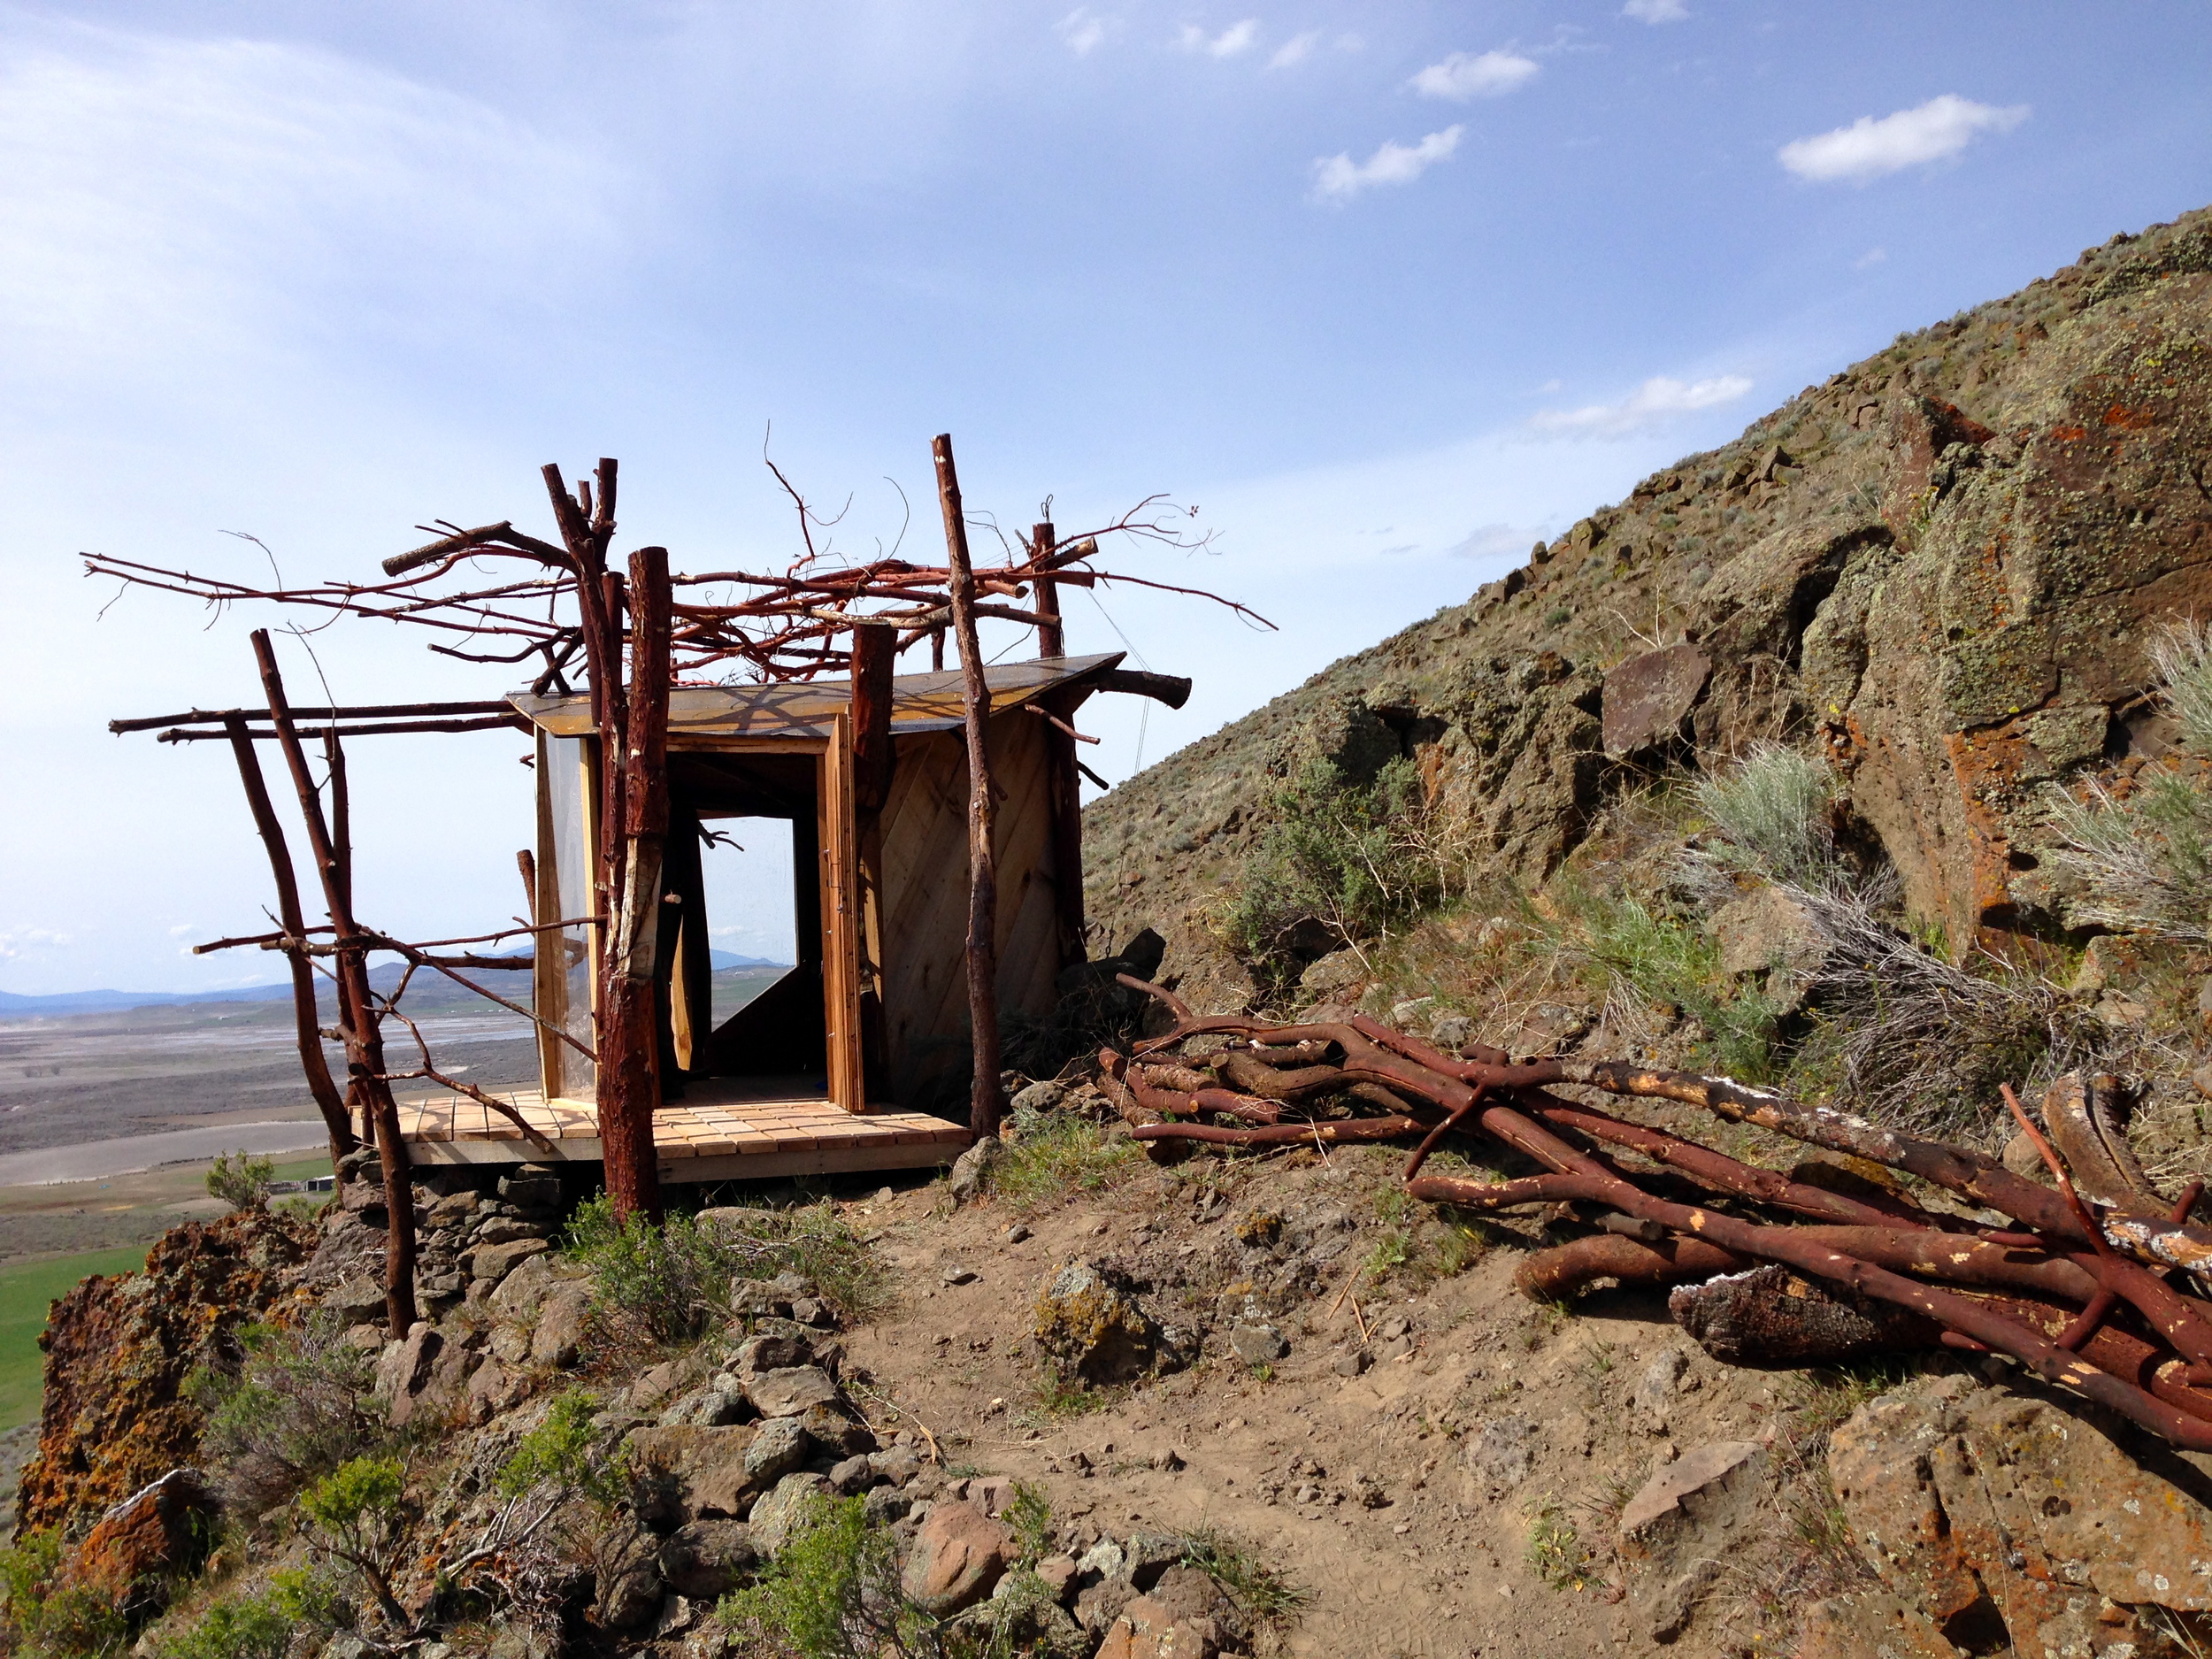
x: 1144, y: 715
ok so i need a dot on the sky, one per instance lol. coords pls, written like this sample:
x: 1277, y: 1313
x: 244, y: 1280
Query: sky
x: 1377, y: 295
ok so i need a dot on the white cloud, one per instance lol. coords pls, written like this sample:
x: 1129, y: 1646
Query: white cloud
x: 1296, y: 49
x: 17, y: 942
x: 1082, y: 29
x: 1232, y: 42
x: 1656, y: 401
x: 1871, y: 257
x: 1463, y: 76
x: 1656, y: 11
x: 1494, y: 541
x: 183, y: 929
x: 1338, y: 178
x: 1868, y: 149
x: 165, y: 196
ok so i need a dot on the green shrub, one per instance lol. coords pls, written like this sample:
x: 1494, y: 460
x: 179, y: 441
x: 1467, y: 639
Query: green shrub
x: 674, y: 1279
x: 295, y: 1406
x: 42, y: 1615
x: 235, y: 1627
x: 1775, y: 811
x: 1051, y: 1155
x: 1340, y: 863
x: 1267, y: 1596
x: 1651, y: 957
x: 564, y: 1452
x: 2146, y: 860
x: 832, y: 1592
x: 240, y: 1180
x: 352, y: 1518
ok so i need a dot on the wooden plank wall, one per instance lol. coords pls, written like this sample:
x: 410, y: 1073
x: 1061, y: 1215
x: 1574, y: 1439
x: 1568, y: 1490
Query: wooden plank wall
x: 925, y: 912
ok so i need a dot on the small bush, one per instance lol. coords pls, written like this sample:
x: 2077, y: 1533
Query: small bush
x: 674, y: 1279
x: 235, y: 1627
x: 2146, y: 860
x: 295, y: 1407
x: 1652, y: 958
x: 352, y: 1518
x: 1267, y: 1596
x: 1051, y: 1155
x: 42, y: 1615
x: 1556, y: 1553
x: 562, y: 1453
x: 832, y: 1592
x: 1775, y: 811
x: 1340, y: 863
x: 240, y: 1180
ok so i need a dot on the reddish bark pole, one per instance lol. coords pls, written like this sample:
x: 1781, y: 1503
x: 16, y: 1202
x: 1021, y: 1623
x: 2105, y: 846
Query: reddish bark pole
x: 365, y: 1042
x: 629, y: 1086
x: 984, y: 1099
x: 305, y: 1017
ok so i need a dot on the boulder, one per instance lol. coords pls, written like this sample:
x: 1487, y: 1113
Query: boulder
x: 1257, y: 1344
x: 532, y: 1187
x: 705, y: 1560
x: 354, y: 1299
x: 972, y: 1170
x: 835, y: 1434
x: 1039, y: 1097
x: 2010, y: 1518
x: 563, y: 1320
x: 790, y: 1392
x: 957, y: 1555
x: 1648, y: 699
x: 1145, y: 1630
x: 495, y: 1260
x: 1091, y: 1327
x: 1702, y: 1485
x: 403, y: 1369
x: 1770, y: 932
x: 157, y: 1535
x: 1687, y: 1519
x: 772, y: 1351
x: 693, y: 1473
x: 780, y: 1445
x: 778, y: 1516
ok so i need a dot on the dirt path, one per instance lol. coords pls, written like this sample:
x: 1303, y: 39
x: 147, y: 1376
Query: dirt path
x: 1408, y: 1499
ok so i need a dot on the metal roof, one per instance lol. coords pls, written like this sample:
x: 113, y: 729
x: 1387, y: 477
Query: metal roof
x: 919, y: 702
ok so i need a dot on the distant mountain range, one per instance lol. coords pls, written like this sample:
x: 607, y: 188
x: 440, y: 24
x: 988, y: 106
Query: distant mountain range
x: 383, y: 977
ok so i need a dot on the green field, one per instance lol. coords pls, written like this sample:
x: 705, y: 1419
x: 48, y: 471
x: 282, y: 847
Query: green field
x: 141, y: 1207
x: 24, y: 1291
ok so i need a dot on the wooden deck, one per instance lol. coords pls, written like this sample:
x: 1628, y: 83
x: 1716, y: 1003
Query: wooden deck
x: 719, y: 1132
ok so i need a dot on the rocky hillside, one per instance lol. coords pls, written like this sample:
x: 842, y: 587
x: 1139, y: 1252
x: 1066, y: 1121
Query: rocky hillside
x: 1942, y: 567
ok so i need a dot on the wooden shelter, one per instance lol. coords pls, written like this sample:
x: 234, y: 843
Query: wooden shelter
x: 833, y: 1067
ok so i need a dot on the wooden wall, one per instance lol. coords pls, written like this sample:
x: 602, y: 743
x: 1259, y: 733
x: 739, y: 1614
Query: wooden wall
x: 925, y: 899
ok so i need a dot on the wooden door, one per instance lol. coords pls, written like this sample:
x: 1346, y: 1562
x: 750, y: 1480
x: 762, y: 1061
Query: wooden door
x: 840, y: 910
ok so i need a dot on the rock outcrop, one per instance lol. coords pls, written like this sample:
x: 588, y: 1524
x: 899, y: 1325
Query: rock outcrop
x: 1943, y: 565
x: 116, y: 1416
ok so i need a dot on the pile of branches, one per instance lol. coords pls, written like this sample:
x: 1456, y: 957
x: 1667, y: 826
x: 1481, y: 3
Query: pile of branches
x: 2091, y: 1282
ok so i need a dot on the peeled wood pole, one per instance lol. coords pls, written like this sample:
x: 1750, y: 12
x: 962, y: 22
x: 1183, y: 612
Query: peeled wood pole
x: 365, y: 1042
x: 984, y: 1100
x: 626, y: 1110
x: 305, y: 1017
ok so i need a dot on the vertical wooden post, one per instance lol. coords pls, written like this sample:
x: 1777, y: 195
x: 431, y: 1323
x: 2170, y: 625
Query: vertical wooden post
x: 1052, y: 640
x: 1063, y: 784
x: 985, y: 1103
x: 625, y: 1110
x: 875, y: 648
x: 306, y: 1017
x: 364, y: 1041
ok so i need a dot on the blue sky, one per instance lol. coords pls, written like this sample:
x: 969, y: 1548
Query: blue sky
x: 1385, y: 292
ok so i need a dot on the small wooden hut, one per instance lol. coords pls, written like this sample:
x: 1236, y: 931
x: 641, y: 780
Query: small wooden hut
x: 835, y: 1066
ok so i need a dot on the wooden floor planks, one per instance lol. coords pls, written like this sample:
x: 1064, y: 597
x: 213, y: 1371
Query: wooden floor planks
x: 697, y: 1138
